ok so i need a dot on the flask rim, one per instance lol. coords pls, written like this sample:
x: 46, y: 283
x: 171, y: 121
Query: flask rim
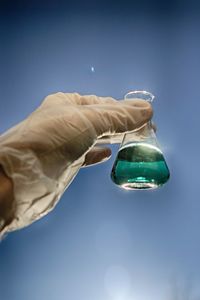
x: 144, y: 95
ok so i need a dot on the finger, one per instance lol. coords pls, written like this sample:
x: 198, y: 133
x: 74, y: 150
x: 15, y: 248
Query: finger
x: 120, y: 118
x: 93, y: 99
x: 110, y: 139
x: 75, y: 99
x: 97, y: 155
x: 59, y: 99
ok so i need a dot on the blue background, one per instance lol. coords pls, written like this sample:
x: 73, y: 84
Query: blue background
x: 101, y: 242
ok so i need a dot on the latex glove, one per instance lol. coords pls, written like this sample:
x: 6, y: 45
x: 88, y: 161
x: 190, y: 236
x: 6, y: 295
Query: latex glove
x: 43, y: 153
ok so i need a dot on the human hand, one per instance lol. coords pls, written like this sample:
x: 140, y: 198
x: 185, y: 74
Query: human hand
x: 43, y: 153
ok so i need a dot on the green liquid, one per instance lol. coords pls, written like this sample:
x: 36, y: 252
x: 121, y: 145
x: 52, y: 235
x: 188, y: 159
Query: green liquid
x: 140, y: 166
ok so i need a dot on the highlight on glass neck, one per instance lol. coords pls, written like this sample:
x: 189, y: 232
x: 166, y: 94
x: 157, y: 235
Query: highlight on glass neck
x: 144, y: 95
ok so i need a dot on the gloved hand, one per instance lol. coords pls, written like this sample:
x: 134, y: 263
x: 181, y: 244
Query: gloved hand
x: 43, y: 153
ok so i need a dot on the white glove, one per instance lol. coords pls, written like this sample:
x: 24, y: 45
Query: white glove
x: 43, y: 153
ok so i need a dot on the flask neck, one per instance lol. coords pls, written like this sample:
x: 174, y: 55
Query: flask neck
x: 145, y: 134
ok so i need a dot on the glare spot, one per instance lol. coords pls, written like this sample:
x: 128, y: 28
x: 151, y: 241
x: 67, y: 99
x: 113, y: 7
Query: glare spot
x: 92, y: 69
x: 117, y: 282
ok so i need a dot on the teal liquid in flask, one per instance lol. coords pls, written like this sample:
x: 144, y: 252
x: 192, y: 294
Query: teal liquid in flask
x: 140, y: 163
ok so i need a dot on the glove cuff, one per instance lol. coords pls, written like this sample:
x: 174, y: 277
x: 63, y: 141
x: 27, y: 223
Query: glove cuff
x: 35, y: 194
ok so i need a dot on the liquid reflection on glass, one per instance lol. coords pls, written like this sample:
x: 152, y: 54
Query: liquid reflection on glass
x: 140, y: 163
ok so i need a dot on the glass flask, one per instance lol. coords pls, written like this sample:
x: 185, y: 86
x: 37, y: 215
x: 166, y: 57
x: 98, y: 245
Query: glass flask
x: 140, y: 163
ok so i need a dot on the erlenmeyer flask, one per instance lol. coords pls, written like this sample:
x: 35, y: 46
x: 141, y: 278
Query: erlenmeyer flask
x: 140, y: 163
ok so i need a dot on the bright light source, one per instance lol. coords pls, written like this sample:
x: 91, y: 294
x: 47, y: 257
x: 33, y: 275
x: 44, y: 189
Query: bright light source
x: 92, y: 69
x: 118, y: 282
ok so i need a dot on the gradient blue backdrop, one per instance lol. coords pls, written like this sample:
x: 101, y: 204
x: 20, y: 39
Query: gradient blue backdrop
x: 102, y: 243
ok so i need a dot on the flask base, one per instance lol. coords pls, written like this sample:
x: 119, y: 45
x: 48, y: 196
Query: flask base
x: 138, y: 186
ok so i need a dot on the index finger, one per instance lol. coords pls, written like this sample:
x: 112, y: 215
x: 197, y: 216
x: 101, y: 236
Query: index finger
x: 91, y: 99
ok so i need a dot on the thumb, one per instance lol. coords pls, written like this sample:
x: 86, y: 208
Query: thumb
x: 96, y: 155
x: 119, y: 117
